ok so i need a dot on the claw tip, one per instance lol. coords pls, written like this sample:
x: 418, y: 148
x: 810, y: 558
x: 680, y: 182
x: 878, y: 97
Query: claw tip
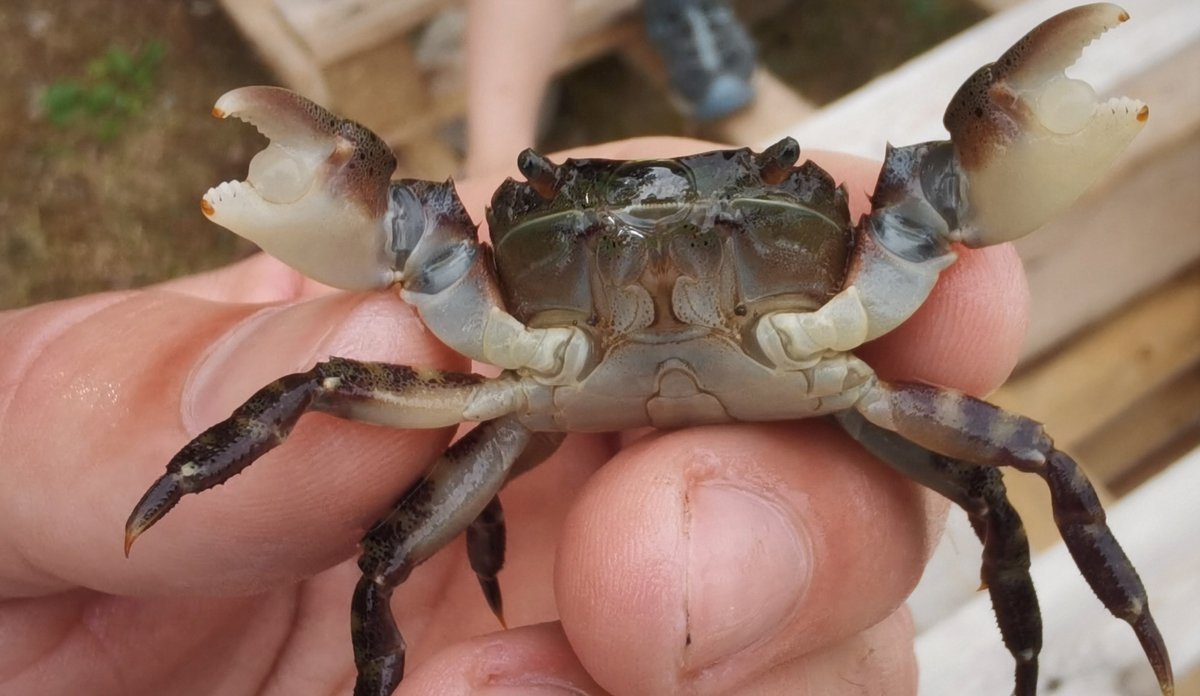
x: 1123, y: 17
x: 130, y: 537
x: 1143, y: 114
x: 206, y: 207
x: 218, y: 113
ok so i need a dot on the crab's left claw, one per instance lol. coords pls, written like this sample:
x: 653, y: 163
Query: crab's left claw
x: 316, y: 197
x: 1029, y: 138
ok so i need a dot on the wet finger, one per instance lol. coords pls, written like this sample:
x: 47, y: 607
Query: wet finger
x: 123, y: 381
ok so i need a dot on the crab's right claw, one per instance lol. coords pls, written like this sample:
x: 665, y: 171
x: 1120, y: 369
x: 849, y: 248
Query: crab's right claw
x: 1029, y: 138
x: 316, y: 197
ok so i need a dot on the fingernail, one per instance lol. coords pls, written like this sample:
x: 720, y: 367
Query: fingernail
x: 748, y: 567
x: 278, y: 340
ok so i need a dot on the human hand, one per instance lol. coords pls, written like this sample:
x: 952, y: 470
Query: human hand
x: 766, y: 559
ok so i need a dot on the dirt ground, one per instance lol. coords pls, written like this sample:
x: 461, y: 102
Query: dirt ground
x: 112, y: 202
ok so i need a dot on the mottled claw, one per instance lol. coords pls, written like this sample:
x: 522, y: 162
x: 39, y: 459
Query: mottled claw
x: 1031, y: 139
x: 315, y: 198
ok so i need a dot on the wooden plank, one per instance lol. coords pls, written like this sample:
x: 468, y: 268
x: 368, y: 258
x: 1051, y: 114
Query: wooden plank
x: 334, y: 30
x: 1128, y: 356
x: 1116, y: 452
x: 1093, y: 382
x: 278, y: 47
x: 1087, y: 651
x: 906, y: 104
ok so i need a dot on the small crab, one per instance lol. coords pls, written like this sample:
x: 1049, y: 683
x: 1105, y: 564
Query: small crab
x: 722, y: 286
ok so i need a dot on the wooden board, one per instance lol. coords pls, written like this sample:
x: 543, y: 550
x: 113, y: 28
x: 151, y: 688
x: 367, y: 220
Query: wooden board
x: 1087, y: 652
x: 1099, y: 386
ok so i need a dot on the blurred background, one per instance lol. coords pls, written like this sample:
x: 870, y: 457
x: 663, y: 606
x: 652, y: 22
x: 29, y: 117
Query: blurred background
x: 107, y: 146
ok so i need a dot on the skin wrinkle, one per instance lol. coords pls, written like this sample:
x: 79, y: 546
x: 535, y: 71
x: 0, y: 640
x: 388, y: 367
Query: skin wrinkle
x: 294, y: 604
x: 215, y: 358
x: 60, y: 330
x: 58, y: 640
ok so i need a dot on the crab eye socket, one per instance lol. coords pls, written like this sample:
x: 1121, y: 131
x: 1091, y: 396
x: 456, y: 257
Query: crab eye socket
x: 278, y: 175
x: 647, y: 184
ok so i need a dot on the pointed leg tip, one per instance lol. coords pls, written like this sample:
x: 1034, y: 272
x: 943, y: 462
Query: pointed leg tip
x: 160, y: 498
x: 1156, y: 651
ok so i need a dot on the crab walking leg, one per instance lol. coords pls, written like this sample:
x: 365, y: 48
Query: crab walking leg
x: 393, y: 395
x: 486, y: 535
x: 959, y: 426
x: 978, y: 490
x: 486, y: 541
x: 460, y: 487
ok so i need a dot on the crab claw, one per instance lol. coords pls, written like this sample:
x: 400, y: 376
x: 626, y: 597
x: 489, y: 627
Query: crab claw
x: 315, y: 198
x: 1031, y: 139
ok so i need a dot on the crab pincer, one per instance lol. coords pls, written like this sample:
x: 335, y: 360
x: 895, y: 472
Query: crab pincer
x: 1031, y: 139
x: 316, y: 197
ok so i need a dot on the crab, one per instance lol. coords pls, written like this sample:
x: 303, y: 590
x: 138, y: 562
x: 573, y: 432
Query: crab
x: 723, y: 286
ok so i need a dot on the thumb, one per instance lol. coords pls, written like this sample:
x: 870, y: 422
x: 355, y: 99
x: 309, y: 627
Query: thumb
x: 97, y: 394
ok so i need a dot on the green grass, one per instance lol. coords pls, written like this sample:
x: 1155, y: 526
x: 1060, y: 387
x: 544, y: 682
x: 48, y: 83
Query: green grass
x: 113, y: 91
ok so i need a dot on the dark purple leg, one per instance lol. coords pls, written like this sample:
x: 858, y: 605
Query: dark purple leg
x: 372, y: 392
x: 459, y: 489
x: 962, y: 427
x: 979, y: 490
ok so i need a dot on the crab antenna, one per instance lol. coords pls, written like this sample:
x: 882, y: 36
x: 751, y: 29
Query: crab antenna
x: 775, y: 161
x: 539, y: 171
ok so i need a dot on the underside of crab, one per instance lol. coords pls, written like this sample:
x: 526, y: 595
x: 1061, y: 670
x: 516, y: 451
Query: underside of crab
x: 722, y: 286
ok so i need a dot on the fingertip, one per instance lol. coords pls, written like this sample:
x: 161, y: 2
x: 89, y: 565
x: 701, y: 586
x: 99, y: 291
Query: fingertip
x: 804, y: 540
x: 121, y: 379
x: 968, y: 334
x: 536, y: 660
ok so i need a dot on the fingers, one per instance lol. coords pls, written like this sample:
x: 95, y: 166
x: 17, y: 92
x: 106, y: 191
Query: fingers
x: 968, y: 334
x: 105, y: 389
x: 700, y: 560
x: 538, y: 659
x: 531, y: 660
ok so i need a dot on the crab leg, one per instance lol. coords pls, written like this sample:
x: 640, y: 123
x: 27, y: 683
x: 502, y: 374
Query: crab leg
x: 459, y: 489
x: 485, y: 536
x: 978, y: 490
x: 962, y: 427
x: 393, y: 395
x: 485, y: 551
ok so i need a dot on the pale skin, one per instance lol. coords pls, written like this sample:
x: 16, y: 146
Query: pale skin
x: 621, y: 547
x: 512, y: 48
